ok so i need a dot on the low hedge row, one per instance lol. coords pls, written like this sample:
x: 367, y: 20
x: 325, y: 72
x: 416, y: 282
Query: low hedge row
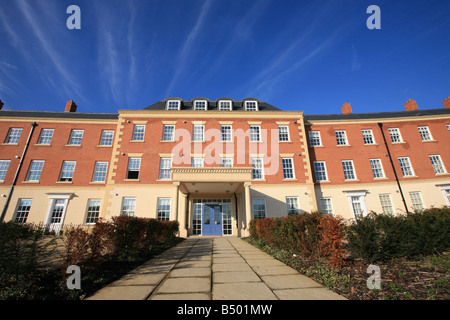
x: 373, y: 238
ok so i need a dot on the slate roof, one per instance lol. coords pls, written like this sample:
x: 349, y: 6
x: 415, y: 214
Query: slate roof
x: 62, y: 115
x: 212, y: 104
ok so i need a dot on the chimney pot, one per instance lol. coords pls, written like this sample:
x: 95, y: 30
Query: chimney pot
x: 411, y: 105
x: 346, y: 108
x: 446, y: 103
x: 71, y: 106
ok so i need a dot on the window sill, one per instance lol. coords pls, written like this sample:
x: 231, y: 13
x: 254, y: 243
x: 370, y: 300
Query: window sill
x: 429, y: 140
x: 442, y: 174
x: 323, y: 181
x: 9, y: 144
x: 285, y: 141
x: 162, y: 180
x: 167, y: 141
x: 351, y: 180
x: 97, y: 182
x: 343, y: 145
x: 73, y: 145
x: 400, y: 142
x: 30, y: 182
x: 101, y: 146
x: 290, y: 179
x: 258, y: 179
x: 370, y: 144
x: 406, y: 177
x: 64, y: 182
x: 136, y: 140
x: 199, y: 141
x: 42, y: 145
x: 380, y: 178
x: 318, y: 146
x: 135, y: 180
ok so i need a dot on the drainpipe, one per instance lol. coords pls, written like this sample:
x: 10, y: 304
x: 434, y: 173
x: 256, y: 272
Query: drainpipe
x: 393, y: 168
x: 8, y: 199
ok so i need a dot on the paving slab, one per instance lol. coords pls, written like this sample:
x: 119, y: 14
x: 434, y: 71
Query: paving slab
x: 214, y: 268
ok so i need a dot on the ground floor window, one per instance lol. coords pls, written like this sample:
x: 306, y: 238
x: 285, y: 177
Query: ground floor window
x: 93, y: 211
x: 326, y: 206
x: 417, y: 202
x: 163, y: 209
x: 386, y: 204
x: 292, y: 205
x: 259, y: 208
x: 128, y: 207
x: 23, y: 208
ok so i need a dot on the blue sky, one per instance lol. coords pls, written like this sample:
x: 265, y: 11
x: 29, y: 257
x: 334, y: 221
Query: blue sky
x: 310, y: 55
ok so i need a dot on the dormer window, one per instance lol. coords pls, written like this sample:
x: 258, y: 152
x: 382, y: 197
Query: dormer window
x: 251, y: 105
x: 225, y: 105
x: 173, y: 105
x: 200, y: 105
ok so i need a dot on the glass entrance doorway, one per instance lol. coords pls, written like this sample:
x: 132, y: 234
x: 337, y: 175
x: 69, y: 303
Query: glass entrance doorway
x: 212, y: 220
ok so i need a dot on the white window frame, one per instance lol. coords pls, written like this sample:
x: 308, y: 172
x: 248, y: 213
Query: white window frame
x: 314, y: 138
x: 106, y: 138
x: 173, y: 105
x: 92, y: 211
x: 134, y: 165
x: 319, y: 173
x: 395, y: 134
x: 406, y: 167
x: 57, y: 199
x: 168, y: 132
x: 165, y: 173
x: 228, y: 108
x: 255, y: 133
x: 368, y: 137
x: 201, y: 102
x: 4, y: 166
x: 357, y: 197
x: 46, y: 136
x: 223, y: 161
x: 35, y: 170
x: 377, y: 168
x: 349, y: 170
x: 326, y: 205
x: 283, y: 133
x: 138, y: 132
x: 67, y: 171
x: 248, y: 105
x: 258, y: 166
x: 22, y: 210
x: 417, y: 200
x: 425, y: 133
x: 100, y: 171
x: 226, y: 131
x: 341, y: 137
x: 76, y: 136
x: 128, y: 207
x: 262, y: 202
x: 445, y: 188
x: 196, y: 134
x: 13, y: 135
x: 162, y: 212
x: 437, y: 164
x: 386, y: 203
x: 292, y: 205
x: 287, y: 165
x: 197, y: 162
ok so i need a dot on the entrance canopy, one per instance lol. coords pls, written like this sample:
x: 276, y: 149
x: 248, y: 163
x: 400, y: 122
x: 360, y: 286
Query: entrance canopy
x: 211, y: 179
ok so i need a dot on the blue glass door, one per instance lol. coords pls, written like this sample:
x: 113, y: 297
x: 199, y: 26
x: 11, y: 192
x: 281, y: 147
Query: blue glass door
x: 212, y: 220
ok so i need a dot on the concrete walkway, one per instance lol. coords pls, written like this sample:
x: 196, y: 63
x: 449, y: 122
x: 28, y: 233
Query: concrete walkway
x: 214, y: 269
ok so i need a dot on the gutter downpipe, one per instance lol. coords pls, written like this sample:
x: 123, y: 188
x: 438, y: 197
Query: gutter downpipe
x: 8, y: 199
x: 393, y: 168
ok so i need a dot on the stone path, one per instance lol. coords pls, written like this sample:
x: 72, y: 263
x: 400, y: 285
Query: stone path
x: 214, y: 269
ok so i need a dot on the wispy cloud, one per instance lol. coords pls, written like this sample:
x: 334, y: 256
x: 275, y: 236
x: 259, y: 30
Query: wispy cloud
x: 44, y: 37
x: 185, y: 51
x: 356, y: 64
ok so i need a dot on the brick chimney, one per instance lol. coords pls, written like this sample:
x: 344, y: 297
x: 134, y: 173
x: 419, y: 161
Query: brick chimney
x: 71, y: 106
x: 1, y: 104
x: 446, y: 103
x: 346, y: 108
x: 411, y: 105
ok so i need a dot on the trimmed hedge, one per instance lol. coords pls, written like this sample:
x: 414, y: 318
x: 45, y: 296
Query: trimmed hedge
x: 313, y: 235
x: 383, y: 237
x: 373, y: 238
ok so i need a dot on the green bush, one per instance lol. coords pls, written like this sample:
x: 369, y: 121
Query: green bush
x: 383, y: 237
